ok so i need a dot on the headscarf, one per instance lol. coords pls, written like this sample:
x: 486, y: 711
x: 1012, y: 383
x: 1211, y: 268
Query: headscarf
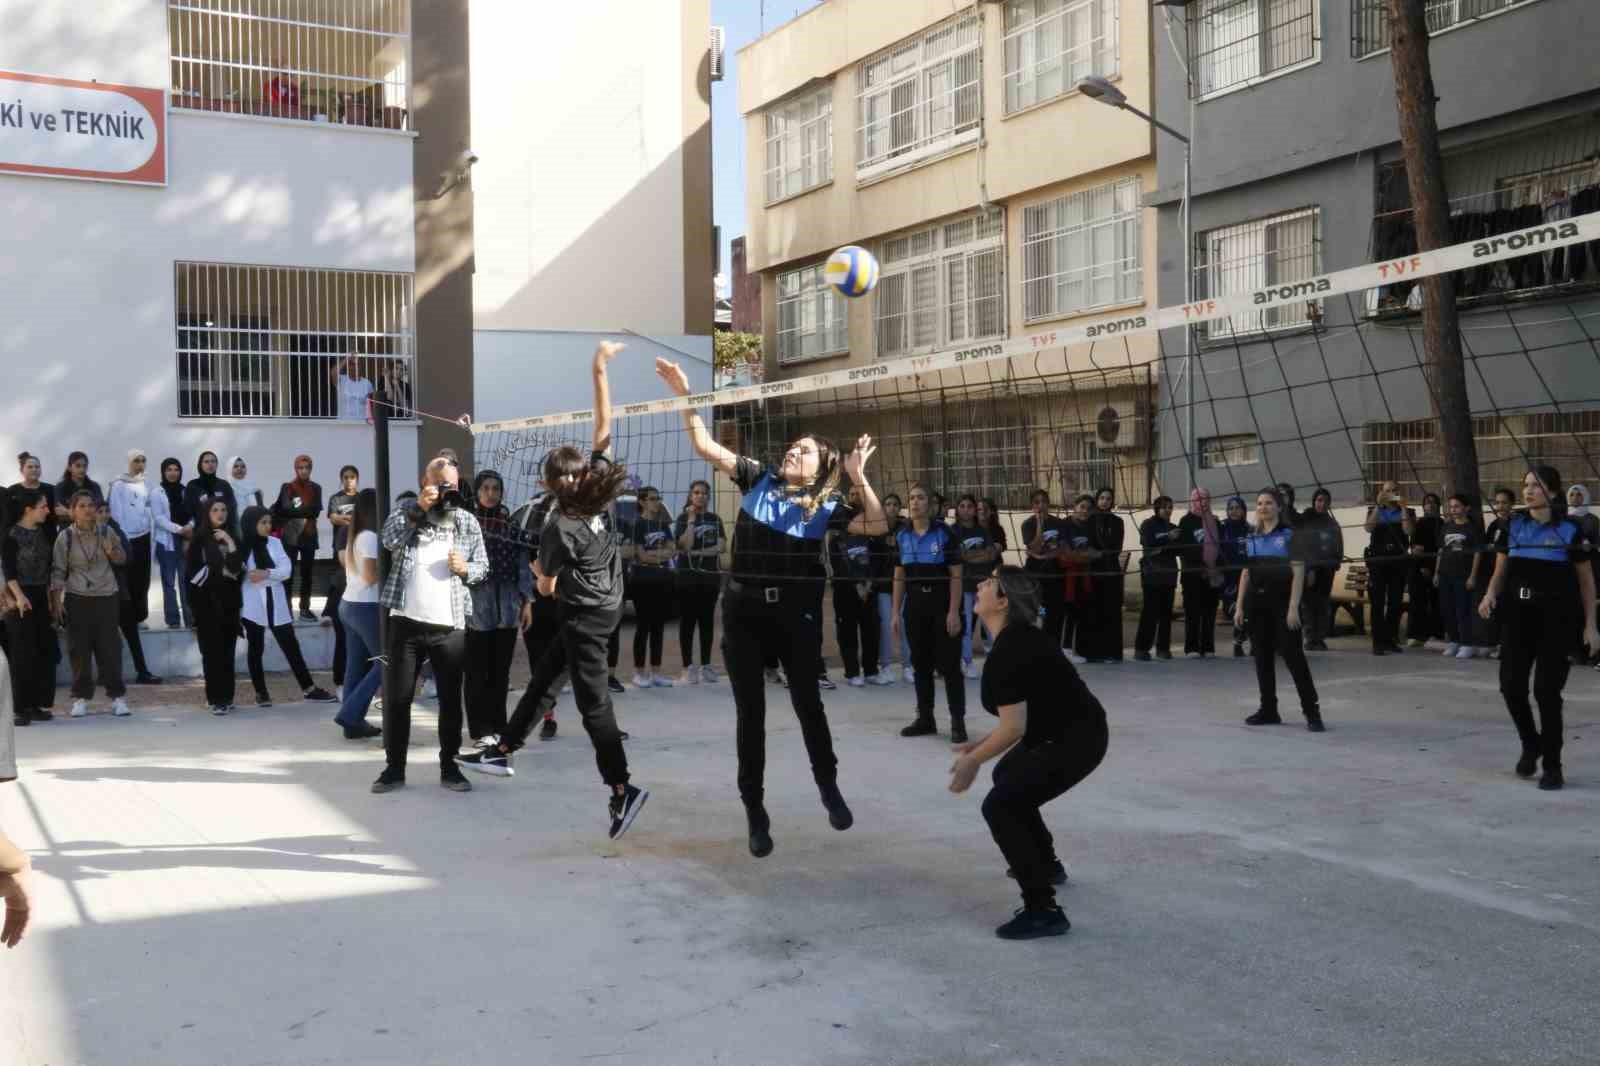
x: 251, y: 543
x: 208, y: 482
x: 303, y: 483
x: 1208, y: 521
x: 1582, y: 507
x: 176, y: 504
x: 244, y: 488
x: 495, y: 522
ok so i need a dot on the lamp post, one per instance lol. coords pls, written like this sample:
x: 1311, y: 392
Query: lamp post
x: 1100, y: 89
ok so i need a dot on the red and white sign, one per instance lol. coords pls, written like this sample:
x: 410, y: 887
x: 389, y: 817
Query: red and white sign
x: 61, y: 128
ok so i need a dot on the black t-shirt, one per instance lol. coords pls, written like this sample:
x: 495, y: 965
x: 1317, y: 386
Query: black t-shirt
x: 1324, y: 539
x: 1192, y: 542
x: 581, y: 554
x: 850, y: 555
x: 883, y: 551
x: 1051, y: 532
x: 1458, y: 546
x: 13, y: 507
x: 709, y: 536
x: 526, y: 525
x: 1269, y: 559
x: 774, y: 541
x: 650, y: 534
x: 1425, y: 535
x: 1027, y: 667
x: 1159, y: 538
x: 1106, y: 531
x: 972, y: 538
x: 341, y: 503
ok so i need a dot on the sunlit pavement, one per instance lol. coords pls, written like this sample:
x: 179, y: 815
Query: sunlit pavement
x: 227, y: 891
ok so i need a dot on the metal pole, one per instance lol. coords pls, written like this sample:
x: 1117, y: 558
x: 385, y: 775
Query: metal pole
x: 380, y: 459
x: 1189, y: 443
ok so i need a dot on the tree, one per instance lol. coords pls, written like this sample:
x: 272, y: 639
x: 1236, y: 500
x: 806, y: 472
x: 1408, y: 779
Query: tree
x: 1445, y: 368
x: 730, y: 351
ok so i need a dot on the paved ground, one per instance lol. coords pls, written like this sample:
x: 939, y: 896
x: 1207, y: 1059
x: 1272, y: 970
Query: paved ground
x: 226, y: 890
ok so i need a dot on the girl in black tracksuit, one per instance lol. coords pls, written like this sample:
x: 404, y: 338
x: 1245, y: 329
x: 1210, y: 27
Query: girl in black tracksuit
x: 927, y: 583
x: 649, y: 551
x: 1041, y: 541
x: 1158, y: 578
x: 1324, y: 553
x: 700, y: 535
x: 215, y: 567
x: 1103, y: 640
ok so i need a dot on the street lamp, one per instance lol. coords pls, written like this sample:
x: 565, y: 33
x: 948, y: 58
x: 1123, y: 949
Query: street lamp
x: 1096, y: 88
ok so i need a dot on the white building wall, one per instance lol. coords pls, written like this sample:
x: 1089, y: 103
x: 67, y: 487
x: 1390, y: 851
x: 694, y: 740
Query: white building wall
x: 87, y: 317
x: 578, y: 120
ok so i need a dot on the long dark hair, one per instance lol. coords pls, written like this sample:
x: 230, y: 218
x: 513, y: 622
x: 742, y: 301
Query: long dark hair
x: 825, y: 485
x: 582, y: 489
x: 993, y: 528
x: 66, y: 473
x: 1550, y: 478
x: 363, y: 519
x: 1021, y: 590
x: 251, y: 543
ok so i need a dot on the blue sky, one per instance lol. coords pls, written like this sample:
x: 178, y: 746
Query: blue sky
x: 743, y: 20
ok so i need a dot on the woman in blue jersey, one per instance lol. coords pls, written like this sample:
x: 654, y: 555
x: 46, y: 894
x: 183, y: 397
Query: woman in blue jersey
x: 771, y: 603
x: 1270, y: 588
x: 1544, y: 585
x: 927, y: 602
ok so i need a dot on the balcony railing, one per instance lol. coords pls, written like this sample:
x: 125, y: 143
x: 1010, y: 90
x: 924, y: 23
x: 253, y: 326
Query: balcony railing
x: 1369, y: 19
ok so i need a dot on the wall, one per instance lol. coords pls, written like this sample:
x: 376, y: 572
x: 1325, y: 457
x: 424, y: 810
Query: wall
x: 595, y: 157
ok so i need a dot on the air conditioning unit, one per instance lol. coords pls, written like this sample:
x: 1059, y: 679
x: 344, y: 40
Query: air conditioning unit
x: 1122, y: 427
x: 719, y: 40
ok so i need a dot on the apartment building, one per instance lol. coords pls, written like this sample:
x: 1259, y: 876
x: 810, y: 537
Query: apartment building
x: 1297, y: 170
x: 210, y: 209
x: 951, y: 140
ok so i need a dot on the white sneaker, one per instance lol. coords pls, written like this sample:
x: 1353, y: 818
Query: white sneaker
x: 1075, y: 659
x: 339, y: 693
x: 709, y: 675
x: 881, y: 678
x: 857, y: 682
x: 641, y: 680
x: 1450, y: 650
x: 377, y: 704
x: 910, y: 675
x: 80, y: 709
x: 690, y: 676
x: 430, y: 691
x: 657, y: 681
x: 1464, y: 653
x: 972, y: 673
x: 567, y: 687
x: 120, y: 708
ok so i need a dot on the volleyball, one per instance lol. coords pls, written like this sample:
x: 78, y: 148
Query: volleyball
x: 852, y: 270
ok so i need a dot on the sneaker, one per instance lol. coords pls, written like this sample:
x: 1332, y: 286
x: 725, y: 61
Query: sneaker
x: 709, y: 675
x: 41, y: 715
x: 910, y: 675
x: 826, y: 683
x: 80, y: 709
x: 488, y: 760
x: 613, y: 684
x: 1141, y: 656
x: 1494, y: 652
x: 389, y: 780
x: 657, y: 681
x: 1264, y: 718
x: 625, y: 808
x: 307, y: 616
x: 760, y: 831
x: 120, y: 708
x: 1058, y: 873
x: 1551, y: 780
x: 1464, y: 653
x: 568, y: 686
x: 881, y: 678
x: 363, y: 731
x: 856, y: 681
x: 641, y: 680
x: 317, y: 694
x: 263, y: 700
x: 1450, y: 650
x: 775, y: 677
x: 921, y: 727
x: 548, y: 730
x: 1191, y: 655
x: 21, y: 718
x: 1028, y: 924
x: 839, y: 815
x: 1314, y: 722
x: 971, y: 672
x: 1167, y: 654
x: 958, y: 732
x: 430, y: 691
x: 338, y: 693
x: 690, y: 676
x: 147, y: 679
x: 1075, y: 659
x: 452, y: 779
x: 1528, y: 765
x: 219, y: 710
x: 377, y: 705
x: 1415, y: 643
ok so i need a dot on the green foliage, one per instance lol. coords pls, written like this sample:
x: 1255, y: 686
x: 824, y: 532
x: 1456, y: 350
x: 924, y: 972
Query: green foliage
x: 729, y: 351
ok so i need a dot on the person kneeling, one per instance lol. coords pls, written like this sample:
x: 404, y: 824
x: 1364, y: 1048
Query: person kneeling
x: 1052, y: 734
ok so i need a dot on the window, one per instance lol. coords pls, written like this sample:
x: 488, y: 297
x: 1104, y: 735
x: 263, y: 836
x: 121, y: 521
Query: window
x: 1235, y: 449
x: 920, y: 98
x: 942, y: 285
x: 1253, y: 255
x: 800, y: 144
x: 277, y: 342
x: 1082, y: 251
x: 1369, y: 19
x: 1235, y: 42
x: 812, y: 321
x: 1050, y: 45
x: 338, y: 62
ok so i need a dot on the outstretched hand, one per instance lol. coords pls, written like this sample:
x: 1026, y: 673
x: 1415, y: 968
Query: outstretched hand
x: 605, y: 352
x: 673, y: 375
x: 855, y: 463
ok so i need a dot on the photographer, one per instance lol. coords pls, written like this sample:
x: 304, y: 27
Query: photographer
x: 1390, y: 524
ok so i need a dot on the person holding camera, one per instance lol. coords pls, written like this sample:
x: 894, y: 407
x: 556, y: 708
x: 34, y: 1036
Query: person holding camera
x: 86, y: 598
x: 1390, y: 525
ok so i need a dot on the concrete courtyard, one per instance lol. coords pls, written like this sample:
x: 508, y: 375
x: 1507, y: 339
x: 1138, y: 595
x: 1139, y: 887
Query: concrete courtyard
x: 226, y: 891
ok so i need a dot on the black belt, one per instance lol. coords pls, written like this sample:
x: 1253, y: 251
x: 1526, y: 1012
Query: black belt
x: 765, y: 593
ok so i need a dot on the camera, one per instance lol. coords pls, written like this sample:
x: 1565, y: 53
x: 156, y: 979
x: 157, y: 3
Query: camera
x: 450, y: 499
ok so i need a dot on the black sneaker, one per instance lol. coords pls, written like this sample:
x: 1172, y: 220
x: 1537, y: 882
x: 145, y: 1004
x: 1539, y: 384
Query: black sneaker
x: 958, y: 732
x: 389, y: 780
x: 1314, y: 722
x: 219, y: 710
x: 548, y: 730
x: 307, y: 616
x: 922, y: 727
x: 41, y: 715
x: 1551, y: 780
x: 453, y: 779
x: 1028, y: 924
x: 1264, y: 718
x: 1163, y: 655
x: 625, y: 808
x: 839, y: 815
x: 1058, y: 873
x: 1141, y: 656
x: 760, y: 831
x: 1238, y: 651
x: 614, y: 685
x: 826, y: 683
x: 491, y: 761
x: 147, y: 679
x: 317, y: 694
x: 362, y: 732
x: 263, y: 699
x: 22, y: 718
x: 1528, y: 765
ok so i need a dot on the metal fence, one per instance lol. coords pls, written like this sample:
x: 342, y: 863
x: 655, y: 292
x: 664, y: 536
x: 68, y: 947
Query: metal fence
x: 1369, y: 19
x: 1411, y: 455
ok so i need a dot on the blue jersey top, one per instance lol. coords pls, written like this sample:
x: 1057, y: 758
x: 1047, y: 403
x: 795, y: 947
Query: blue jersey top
x: 1269, y: 559
x: 927, y: 559
x: 774, y: 541
x: 1541, y: 557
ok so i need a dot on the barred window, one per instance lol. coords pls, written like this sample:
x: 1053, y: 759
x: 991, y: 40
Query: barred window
x: 1082, y: 251
x: 812, y: 317
x: 1235, y: 42
x: 337, y: 61
x: 942, y: 285
x: 1233, y: 449
x: 919, y: 98
x: 1051, y: 45
x: 1278, y: 250
x: 1369, y: 19
x: 285, y: 342
x: 800, y: 144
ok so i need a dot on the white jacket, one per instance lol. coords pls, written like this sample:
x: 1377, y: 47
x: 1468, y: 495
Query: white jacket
x: 130, y: 506
x: 265, y: 604
x: 166, y: 530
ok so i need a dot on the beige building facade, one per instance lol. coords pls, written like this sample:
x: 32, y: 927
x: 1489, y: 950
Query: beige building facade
x: 999, y: 201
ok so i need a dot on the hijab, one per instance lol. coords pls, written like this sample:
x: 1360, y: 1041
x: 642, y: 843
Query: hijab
x: 1208, y: 522
x: 498, y: 541
x: 208, y: 482
x: 302, y: 484
x: 1581, y: 508
x: 252, y: 545
x: 176, y: 504
x: 244, y: 488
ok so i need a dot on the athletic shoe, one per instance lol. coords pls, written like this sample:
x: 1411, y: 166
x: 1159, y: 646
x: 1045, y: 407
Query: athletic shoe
x: 1464, y: 653
x: 338, y: 693
x: 760, y: 831
x: 690, y: 676
x: 263, y: 700
x: 1551, y: 780
x: 775, y: 677
x: 568, y: 687
x: 881, y: 678
x: 21, y: 718
x: 1028, y: 923
x: 486, y: 760
x: 910, y: 675
x: 362, y: 732
x: 613, y: 684
x: 921, y: 727
x: 839, y: 815
x: 625, y: 808
x: 41, y: 715
x: 1167, y: 654
x: 1528, y: 765
x: 958, y: 732
x: 1494, y: 652
x: 1058, y: 873
x: 1450, y: 650
x: 709, y: 675
x: 641, y: 681
x: 80, y: 709
x: 1141, y: 656
x: 657, y: 681
x: 307, y: 616
x: 389, y: 780
x: 856, y: 681
x: 147, y: 679
x: 430, y: 691
x: 1191, y: 655
x: 120, y: 708
x: 219, y: 710
x: 826, y: 683
x: 1264, y: 718
x: 548, y: 730
x: 1415, y: 643
x: 971, y: 672
x: 452, y: 779
x: 317, y: 694
x: 1075, y: 659
x: 1314, y: 722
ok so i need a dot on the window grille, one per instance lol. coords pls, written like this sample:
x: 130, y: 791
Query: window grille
x: 285, y: 342
x: 337, y: 61
x: 1279, y: 250
x: 944, y: 284
x: 1234, y: 449
x: 1369, y: 19
x: 919, y: 98
x: 1235, y: 42
x: 812, y: 317
x: 1083, y: 251
x: 1051, y: 45
x: 799, y: 144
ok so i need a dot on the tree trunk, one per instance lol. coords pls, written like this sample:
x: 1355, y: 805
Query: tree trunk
x: 1445, y: 370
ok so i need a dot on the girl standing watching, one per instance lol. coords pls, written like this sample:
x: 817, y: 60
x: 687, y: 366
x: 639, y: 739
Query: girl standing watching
x: 75, y: 479
x: 1052, y: 734
x: 1103, y: 642
x: 30, y: 470
x: 978, y: 559
x: 883, y: 554
x: 215, y: 567
x: 1041, y: 543
x: 298, y: 505
x: 1504, y: 501
x: 1200, y: 550
x: 25, y: 560
x: 1544, y: 585
x: 1325, y: 548
x: 174, y: 526
x: 86, y: 597
x: 769, y: 605
x: 649, y: 549
x: 1272, y: 583
x: 1235, y: 532
x: 265, y: 607
x: 358, y: 610
x: 1459, y: 577
x: 497, y: 601
x: 700, y: 535
x: 1158, y: 576
x: 927, y: 584
x: 989, y: 519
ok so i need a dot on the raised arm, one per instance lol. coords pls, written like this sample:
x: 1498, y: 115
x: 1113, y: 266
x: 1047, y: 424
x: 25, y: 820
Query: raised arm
x: 699, y: 436
x: 603, y: 354
x: 871, y: 522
